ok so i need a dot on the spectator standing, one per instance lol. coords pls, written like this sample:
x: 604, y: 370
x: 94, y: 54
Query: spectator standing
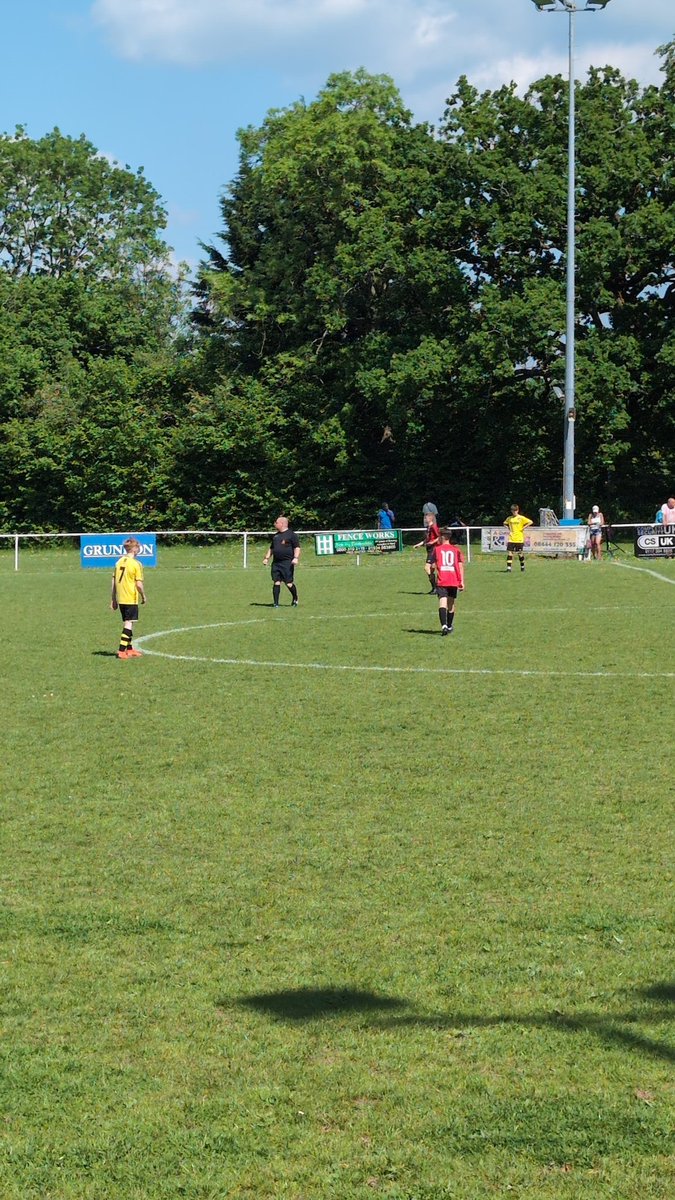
x: 385, y: 517
x: 668, y: 511
x: 596, y: 523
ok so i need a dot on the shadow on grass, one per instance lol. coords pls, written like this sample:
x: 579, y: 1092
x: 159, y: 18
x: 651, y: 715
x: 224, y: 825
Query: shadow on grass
x: 104, y: 654
x: 261, y: 604
x: 611, y: 1030
x: 430, y: 632
x: 305, y: 1004
x: 664, y: 993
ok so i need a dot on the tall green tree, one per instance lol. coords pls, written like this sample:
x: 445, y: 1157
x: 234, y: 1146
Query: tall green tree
x: 399, y: 295
x: 64, y: 207
x: 511, y: 154
x: 329, y: 273
x: 92, y: 377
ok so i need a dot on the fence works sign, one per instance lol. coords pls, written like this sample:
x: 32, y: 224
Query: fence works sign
x: 378, y: 541
x: 104, y: 549
x: 649, y: 543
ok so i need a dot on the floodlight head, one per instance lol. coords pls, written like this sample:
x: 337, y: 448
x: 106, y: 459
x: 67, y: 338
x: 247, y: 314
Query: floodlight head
x: 542, y: 4
x: 594, y: 5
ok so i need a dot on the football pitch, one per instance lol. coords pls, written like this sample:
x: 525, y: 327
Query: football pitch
x: 315, y: 904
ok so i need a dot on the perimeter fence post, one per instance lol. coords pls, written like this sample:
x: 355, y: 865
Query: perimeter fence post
x: 16, y: 551
x: 245, y: 549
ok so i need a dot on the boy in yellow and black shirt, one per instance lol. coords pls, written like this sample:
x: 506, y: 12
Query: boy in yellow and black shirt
x: 516, y: 524
x: 127, y: 587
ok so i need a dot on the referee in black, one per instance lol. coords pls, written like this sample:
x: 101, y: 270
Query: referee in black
x: 285, y: 554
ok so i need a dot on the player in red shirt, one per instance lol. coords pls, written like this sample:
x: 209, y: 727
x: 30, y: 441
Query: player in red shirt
x: 430, y: 542
x: 449, y: 565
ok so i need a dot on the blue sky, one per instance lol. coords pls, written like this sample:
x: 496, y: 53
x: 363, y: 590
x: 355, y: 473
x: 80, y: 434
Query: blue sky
x: 165, y: 84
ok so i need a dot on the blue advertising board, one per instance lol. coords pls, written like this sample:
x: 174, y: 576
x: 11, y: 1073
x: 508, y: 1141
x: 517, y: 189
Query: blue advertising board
x: 104, y: 549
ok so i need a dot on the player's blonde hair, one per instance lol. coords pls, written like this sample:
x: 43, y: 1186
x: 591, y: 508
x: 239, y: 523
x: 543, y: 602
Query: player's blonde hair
x: 131, y: 545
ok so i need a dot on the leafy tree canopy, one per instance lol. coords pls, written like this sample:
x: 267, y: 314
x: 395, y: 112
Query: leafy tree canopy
x: 64, y: 208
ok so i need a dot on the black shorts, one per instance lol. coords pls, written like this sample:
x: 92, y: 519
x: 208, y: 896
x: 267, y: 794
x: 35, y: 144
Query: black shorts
x: 129, y: 612
x: 282, y: 571
x: 516, y: 547
x: 449, y: 592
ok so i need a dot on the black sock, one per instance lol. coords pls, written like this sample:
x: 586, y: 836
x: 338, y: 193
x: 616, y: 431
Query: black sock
x: 276, y: 591
x: 522, y: 561
x: 443, y: 616
x: 294, y: 591
x: 451, y: 617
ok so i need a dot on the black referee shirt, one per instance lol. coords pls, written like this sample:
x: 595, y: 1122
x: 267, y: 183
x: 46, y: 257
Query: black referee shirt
x: 284, y: 545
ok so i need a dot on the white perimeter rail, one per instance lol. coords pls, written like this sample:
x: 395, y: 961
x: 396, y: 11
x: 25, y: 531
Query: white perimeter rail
x: 245, y: 534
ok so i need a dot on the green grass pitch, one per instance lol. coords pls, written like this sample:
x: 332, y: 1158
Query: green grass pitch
x: 327, y: 934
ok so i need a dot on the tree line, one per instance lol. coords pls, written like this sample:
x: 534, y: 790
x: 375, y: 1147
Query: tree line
x: 381, y: 317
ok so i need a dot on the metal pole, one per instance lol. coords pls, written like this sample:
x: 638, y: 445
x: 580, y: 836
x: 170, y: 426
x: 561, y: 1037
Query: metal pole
x: 569, y: 499
x: 571, y: 7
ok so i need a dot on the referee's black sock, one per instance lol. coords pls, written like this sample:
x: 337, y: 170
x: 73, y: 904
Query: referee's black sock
x: 276, y: 591
x: 294, y: 591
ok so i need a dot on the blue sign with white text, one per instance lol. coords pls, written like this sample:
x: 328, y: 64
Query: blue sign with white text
x: 104, y: 549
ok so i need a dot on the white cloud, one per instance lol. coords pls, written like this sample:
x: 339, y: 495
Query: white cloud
x: 200, y: 31
x: 424, y: 44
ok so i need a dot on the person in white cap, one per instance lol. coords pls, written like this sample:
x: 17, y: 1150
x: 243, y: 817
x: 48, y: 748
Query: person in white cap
x: 595, y: 524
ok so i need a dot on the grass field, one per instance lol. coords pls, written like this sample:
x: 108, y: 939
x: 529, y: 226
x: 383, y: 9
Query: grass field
x: 397, y: 929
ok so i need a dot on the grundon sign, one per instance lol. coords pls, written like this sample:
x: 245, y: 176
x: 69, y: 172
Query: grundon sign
x: 104, y: 549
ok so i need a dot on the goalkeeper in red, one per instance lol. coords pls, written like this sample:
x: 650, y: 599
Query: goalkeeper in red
x: 516, y: 525
x: 449, y: 563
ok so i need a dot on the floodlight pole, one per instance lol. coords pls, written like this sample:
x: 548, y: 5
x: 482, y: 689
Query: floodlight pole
x: 569, y: 498
x: 571, y: 8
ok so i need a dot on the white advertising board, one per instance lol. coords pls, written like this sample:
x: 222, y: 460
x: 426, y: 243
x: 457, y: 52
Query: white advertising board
x: 551, y: 540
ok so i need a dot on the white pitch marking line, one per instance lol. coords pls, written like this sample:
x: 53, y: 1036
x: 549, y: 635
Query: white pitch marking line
x: 317, y: 666
x: 645, y: 571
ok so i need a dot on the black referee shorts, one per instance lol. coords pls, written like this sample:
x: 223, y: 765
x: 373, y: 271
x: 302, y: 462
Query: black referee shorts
x: 282, y: 571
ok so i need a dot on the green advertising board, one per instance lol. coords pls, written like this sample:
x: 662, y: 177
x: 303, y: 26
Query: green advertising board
x: 360, y: 541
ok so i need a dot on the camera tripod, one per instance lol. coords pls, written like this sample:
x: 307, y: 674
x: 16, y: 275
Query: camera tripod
x: 612, y: 547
